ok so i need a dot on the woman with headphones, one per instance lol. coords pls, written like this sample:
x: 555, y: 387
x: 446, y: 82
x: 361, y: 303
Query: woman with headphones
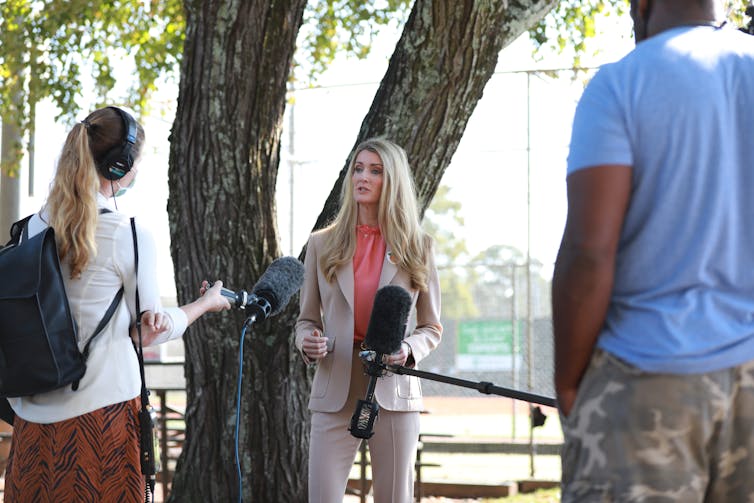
x: 83, y: 445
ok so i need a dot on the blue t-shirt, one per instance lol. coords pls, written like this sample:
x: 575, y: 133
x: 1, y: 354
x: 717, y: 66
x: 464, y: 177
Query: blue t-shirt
x: 679, y: 110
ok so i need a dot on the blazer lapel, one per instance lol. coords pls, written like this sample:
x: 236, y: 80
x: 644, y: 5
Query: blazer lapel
x: 389, y: 269
x: 345, y: 281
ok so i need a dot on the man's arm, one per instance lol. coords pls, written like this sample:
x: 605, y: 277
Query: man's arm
x: 583, y: 279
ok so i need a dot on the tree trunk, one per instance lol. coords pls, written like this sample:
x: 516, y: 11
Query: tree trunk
x: 10, y: 172
x: 224, y: 156
x: 10, y: 183
x: 223, y: 165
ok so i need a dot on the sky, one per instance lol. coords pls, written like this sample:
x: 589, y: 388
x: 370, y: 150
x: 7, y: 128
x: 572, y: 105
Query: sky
x: 514, y: 150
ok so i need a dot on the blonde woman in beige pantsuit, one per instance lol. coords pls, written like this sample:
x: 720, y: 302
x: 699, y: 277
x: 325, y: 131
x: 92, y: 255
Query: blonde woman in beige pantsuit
x: 375, y: 240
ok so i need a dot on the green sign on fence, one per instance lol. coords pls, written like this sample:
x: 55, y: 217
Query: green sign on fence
x: 486, y: 345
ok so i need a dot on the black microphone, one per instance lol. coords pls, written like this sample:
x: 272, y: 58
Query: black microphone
x: 283, y: 278
x: 387, y: 323
x: 387, y: 326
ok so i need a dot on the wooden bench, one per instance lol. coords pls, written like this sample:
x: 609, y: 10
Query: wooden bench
x: 457, y: 446
x: 454, y: 445
x: 171, y: 429
x: 418, y: 487
x: 163, y: 377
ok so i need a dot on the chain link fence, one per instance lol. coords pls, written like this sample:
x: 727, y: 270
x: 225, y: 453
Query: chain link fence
x: 497, y: 345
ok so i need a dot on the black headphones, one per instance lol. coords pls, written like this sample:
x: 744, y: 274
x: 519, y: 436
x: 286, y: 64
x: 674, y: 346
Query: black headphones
x: 119, y: 160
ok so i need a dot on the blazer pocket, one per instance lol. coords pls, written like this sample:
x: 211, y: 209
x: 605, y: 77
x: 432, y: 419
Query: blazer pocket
x: 409, y: 387
x: 321, y: 378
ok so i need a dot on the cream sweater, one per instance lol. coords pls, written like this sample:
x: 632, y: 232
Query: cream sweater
x: 112, y: 374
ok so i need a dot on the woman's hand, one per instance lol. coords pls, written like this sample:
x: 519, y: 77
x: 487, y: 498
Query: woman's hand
x: 314, y: 345
x: 213, y: 299
x: 152, y: 325
x: 400, y: 357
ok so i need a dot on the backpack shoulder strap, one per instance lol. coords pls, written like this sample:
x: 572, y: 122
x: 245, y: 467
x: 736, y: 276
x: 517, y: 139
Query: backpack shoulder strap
x: 17, y: 228
x: 105, y: 320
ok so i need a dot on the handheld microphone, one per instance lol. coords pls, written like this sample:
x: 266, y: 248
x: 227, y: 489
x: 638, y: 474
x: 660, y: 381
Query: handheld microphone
x: 283, y: 278
x: 237, y: 299
x: 387, y: 326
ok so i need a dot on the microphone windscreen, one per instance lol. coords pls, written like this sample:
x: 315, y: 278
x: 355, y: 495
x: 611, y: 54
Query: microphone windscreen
x: 279, y: 282
x: 387, y: 324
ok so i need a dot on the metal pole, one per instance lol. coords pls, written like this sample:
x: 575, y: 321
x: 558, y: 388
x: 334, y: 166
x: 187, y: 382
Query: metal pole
x: 292, y: 167
x: 485, y: 387
x: 514, y: 347
x: 32, y: 137
x: 529, y: 313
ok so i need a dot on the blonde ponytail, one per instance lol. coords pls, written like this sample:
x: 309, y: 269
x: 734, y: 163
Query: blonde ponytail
x: 72, y: 202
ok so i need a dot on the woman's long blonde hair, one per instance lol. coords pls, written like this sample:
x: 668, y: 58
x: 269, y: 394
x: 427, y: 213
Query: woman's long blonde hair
x: 72, y: 202
x: 398, y: 217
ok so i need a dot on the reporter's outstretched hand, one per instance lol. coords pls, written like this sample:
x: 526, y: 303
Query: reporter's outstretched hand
x: 211, y: 295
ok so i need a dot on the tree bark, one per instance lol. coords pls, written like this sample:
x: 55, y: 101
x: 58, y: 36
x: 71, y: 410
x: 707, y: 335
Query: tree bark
x: 223, y: 166
x: 11, y: 154
x: 10, y: 179
x: 225, y: 146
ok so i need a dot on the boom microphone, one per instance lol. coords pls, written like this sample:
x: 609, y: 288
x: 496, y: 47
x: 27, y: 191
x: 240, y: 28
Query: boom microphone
x: 283, y: 278
x: 387, y: 325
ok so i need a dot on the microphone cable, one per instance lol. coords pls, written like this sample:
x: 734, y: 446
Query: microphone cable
x: 238, y: 409
x: 283, y: 278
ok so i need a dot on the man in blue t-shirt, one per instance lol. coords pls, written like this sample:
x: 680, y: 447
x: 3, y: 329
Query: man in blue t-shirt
x: 653, y: 291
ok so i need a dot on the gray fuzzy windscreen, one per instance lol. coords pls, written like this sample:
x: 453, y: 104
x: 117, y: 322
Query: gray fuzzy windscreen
x: 280, y: 281
x: 387, y: 324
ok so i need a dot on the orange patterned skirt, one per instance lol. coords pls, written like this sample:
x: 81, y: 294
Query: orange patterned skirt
x: 93, y: 457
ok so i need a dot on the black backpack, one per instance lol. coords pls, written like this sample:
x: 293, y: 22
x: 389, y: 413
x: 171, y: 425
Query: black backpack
x: 38, y: 343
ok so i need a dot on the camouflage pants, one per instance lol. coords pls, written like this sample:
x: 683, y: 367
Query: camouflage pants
x: 634, y: 436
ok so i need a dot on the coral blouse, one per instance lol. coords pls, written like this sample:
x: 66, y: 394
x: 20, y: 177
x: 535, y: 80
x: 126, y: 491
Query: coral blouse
x: 367, y: 267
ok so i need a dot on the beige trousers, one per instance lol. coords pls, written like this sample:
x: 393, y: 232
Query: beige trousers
x: 392, y: 449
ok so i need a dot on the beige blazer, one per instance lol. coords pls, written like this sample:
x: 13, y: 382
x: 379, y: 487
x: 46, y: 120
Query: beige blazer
x: 329, y: 308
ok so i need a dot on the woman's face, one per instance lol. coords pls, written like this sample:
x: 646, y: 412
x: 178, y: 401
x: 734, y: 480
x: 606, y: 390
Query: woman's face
x: 367, y: 178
